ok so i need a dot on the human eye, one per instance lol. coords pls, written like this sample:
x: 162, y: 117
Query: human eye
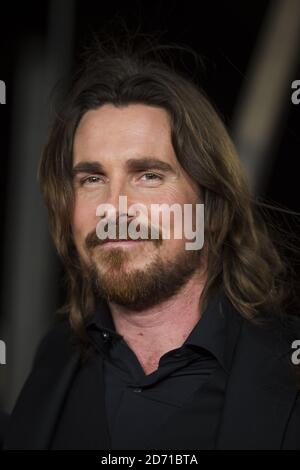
x: 151, y: 176
x: 90, y: 180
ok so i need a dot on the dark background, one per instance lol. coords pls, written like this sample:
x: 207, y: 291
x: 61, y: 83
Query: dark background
x: 39, y: 44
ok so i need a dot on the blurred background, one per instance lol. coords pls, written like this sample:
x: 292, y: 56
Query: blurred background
x: 250, y: 54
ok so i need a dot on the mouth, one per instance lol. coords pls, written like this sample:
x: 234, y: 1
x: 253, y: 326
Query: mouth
x: 121, y: 243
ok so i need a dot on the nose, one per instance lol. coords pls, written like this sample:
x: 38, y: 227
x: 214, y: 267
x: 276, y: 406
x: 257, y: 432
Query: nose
x: 119, y: 195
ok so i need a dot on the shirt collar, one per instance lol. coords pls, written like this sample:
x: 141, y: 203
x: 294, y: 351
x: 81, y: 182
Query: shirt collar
x: 102, y: 318
x: 216, y: 331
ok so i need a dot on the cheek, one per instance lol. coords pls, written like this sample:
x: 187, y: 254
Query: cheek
x: 84, y: 219
x: 171, y: 248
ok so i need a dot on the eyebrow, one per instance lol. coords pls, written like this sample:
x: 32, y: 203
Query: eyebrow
x: 133, y: 164
x: 87, y: 167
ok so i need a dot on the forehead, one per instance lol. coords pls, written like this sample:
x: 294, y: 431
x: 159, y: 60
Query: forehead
x: 109, y: 133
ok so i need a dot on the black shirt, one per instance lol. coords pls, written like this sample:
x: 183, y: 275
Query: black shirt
x: 139, y: 406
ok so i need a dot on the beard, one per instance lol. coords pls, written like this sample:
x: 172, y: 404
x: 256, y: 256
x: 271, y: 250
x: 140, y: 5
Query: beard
x: 136, y: 288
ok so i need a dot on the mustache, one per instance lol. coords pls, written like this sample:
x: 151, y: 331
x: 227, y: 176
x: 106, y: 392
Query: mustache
x: 92, y: 240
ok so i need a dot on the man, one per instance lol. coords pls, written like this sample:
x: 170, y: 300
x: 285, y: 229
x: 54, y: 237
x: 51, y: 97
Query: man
x: 160, y: 347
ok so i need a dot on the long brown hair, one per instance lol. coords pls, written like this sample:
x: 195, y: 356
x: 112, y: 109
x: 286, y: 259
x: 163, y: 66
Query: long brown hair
x: 242, y: 258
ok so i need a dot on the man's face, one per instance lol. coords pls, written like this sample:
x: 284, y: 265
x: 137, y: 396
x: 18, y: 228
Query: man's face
x: 128, y: 152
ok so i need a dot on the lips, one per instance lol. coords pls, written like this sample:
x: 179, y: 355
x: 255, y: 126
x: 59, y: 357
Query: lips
x: 123, y: 242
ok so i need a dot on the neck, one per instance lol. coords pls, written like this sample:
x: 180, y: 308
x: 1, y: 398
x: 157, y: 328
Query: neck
x: 163, y: 327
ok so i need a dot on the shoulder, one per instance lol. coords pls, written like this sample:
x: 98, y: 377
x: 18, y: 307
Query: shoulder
x: 58, y: 343
x: 276, y: 332
x: 4, y: 419
x: 268, y: 349
x: 40, y: 398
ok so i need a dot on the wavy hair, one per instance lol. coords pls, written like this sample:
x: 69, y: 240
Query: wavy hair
x: 242, y: 258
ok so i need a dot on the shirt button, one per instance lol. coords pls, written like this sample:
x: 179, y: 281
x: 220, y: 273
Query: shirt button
x: 137, y: 389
